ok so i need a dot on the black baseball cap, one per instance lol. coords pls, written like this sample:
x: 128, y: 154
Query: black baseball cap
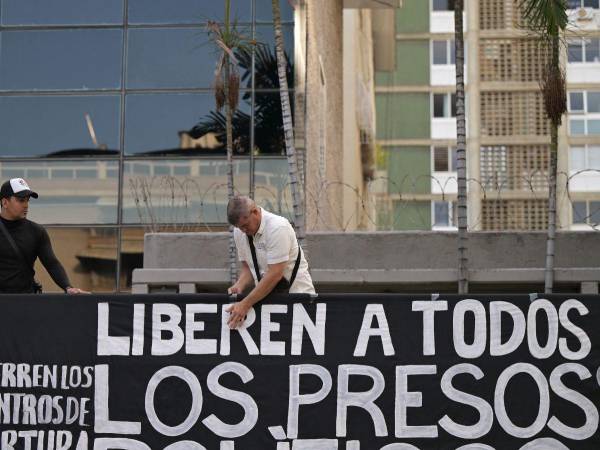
x: 17, y: 187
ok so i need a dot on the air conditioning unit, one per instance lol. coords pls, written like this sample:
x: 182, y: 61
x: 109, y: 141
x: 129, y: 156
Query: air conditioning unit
x: 584, y: 14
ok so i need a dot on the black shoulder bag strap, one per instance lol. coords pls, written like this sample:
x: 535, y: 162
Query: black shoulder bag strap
x: 15, y: 248
x: 255, y: 261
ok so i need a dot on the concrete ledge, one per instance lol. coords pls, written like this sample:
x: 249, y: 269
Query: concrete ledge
x: 185, y: 279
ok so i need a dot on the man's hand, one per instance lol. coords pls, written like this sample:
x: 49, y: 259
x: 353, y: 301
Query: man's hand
x: 74, y: 290
x: 237, y: 314
x: 235, y: 289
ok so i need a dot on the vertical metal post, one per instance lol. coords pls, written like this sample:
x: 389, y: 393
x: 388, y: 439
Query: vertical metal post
x: 252, y: 98
x: 121, y: 147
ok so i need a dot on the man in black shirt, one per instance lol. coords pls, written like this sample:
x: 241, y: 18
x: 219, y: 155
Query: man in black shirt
x: 30, y: 238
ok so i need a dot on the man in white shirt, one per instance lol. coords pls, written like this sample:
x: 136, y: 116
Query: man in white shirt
x: 280, y: 260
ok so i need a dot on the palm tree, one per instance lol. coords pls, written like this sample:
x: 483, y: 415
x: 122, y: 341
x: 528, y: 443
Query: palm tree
x: 227, y: 39
x: 461, y: 169
x: 548, y: 19
x: 268, y: 128
x: 288, y: 125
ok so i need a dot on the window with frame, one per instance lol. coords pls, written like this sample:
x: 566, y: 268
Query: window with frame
x: 444, y: 105
x: 584, y: 113
x: 586, y: 157
x: 584, y: 50
x: 586, y: 213
x: 442, y: 5
x: 576, y: 4
x: 444, y: 214
x: 443, y: 52
x: 444, y: 159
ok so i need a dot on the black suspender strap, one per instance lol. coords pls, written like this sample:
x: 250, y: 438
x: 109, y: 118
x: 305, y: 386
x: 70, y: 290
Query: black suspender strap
x: 255, y: 261
x: 296, y: 266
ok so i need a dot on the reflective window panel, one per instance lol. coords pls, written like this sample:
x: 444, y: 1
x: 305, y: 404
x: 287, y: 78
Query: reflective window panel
x: 266, y: 60
x: 160, y: 124
x: 440, y: 55
x: 264, y: 10
x: 592, y: 50
x: 70, y: 192
x: 577, y: 127
x: 443, y: 5
x: 440, y: 214
x: 594, y: 213
x: 593, y: 126
x: 593, y: 101
x: 182, y: 191
x: 272, y: 188
x: 576, y: 101
x: 579, y: 212
x: 42, y: 125
x: 62, y: 12
x: 60, y: 59
x: 186, y: 11
x: 594, y: 157
x: 577, y: 160
x: 575, y: 51
x: 269, y: 138
x: 89, y: 256
x: 170, y: 58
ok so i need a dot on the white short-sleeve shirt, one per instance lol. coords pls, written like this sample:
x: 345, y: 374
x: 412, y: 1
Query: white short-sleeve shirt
x: 275, y: 242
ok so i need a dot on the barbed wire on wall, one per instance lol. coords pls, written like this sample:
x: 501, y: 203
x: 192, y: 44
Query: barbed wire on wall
x: 507, y: 202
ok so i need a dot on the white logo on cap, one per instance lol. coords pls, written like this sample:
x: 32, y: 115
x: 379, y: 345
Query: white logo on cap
x: 18, y: 185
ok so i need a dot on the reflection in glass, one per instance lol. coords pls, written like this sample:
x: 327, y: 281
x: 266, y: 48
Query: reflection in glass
x: 168, y: 58
x: 265, y: 35
x: 71, y: 192
x: 60, y: 59
x: 271, y: 186
x: 182, y: 192
x: 62, y: 12
x: 264, y: 10
x: 186, y: 11
x: 160, y: 123
x: 269, y: 136
x: 89, y: 256
x: 39, y: 125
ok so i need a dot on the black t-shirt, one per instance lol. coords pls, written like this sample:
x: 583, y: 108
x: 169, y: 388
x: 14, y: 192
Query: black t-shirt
x: 34, y: 242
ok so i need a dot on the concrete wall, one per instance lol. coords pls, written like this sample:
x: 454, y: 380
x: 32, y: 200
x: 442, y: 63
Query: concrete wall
x: 400, y: 261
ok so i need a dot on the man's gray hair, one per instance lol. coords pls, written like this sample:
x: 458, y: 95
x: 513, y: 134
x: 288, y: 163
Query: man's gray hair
x: 238, y: 207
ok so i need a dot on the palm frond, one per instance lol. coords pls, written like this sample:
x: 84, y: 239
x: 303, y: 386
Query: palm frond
x: 546, y: 18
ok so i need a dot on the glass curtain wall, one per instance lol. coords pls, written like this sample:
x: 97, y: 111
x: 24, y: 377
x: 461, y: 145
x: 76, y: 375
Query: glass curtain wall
x: 107, y: 110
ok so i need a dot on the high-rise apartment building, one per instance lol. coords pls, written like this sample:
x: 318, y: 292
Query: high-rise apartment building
x: 508, y: 134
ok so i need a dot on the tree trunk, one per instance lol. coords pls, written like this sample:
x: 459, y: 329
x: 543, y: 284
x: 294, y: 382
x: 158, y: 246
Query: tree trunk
x: 463, y: 275
x: 288, y: 126
x: 230, y: 184
x: 552, y: 169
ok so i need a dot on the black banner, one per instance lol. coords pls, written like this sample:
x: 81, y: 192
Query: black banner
x: 343, y: 372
